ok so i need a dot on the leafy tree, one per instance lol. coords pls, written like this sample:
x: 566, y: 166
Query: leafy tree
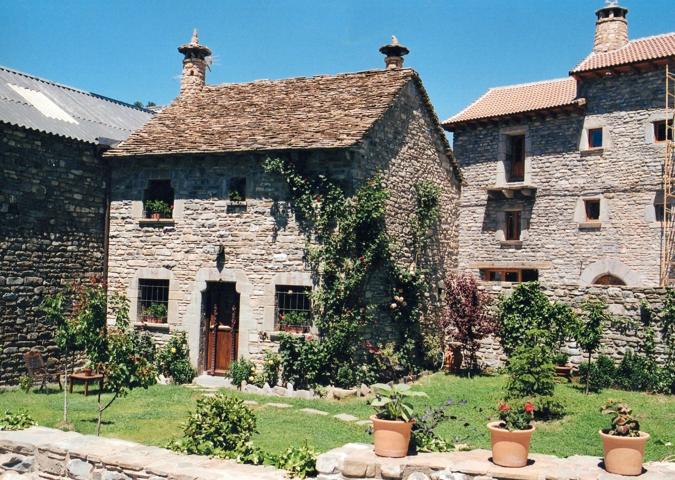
x: 589, y: 334
x: 466, y: 317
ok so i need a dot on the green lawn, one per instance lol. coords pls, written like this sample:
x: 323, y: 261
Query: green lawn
x: 154, y: 416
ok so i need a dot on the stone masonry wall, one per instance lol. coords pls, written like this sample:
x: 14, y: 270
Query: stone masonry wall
x: 625, y: 175
x: 623, y: 302
x: 52, y: 199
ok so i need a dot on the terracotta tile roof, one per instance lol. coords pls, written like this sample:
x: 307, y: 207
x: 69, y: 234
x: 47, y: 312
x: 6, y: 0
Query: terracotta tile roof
x: 298, y: 113
x: 635, y: 51
x: 525, y: 97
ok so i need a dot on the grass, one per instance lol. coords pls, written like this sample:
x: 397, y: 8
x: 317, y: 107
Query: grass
x: 154, y: 416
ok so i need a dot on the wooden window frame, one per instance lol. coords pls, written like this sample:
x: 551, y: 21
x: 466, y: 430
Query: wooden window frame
x: 513, y: 234
x: 590, y: 133
x: 515, y: 148
x: 485, y: 274
x: 667, y: 132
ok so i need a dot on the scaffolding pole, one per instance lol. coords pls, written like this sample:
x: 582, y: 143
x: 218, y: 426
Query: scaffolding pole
x: 668, y: 224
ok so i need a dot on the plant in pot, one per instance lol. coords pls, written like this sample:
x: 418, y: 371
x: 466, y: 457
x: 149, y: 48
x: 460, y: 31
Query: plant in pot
x: 511, y: 435
x: 623, y: 442
x: 295, y: 322
x: 157, y: 209
x: 393, y: 419
x: 88, y: 368
x: 562, y: 366
x: 155, y: 313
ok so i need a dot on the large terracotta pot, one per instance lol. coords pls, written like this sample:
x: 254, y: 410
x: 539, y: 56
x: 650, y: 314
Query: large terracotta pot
x: 624, y: 455
x: 391, y: 437
x: 509, y: 449
x: 564, y: 371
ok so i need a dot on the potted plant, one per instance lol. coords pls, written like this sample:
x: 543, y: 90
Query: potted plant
x: 88, y: 370
x: 157, y: 209
x: 393, y: 419
x: 511, y: 435
x: 295, y: 322
x: 562, y: 367
x: 155, y: 313
x: 623, y: 442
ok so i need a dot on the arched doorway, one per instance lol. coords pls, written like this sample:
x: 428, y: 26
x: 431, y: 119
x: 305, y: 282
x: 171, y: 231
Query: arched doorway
x: 608, y: 279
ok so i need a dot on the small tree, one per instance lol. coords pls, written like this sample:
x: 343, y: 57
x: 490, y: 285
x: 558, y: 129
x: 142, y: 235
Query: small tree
x: 466, y: 317
x: 589, y: 334
x: 121, y: 358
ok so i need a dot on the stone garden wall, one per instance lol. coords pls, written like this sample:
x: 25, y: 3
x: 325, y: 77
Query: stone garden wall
x: 623, y: 302
x: 52, y: 201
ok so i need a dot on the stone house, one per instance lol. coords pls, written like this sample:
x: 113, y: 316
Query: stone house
x: 563, y: 178
x: 52, y: 200
x: 226, y: 262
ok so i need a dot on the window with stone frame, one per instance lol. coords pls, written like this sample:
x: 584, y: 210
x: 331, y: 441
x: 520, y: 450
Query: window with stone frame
x: 515, y: 158
x: 153, y: 300
x: 515, y: 275
x: 158, y: 199
x: 595, y: 138
x: 293, y: 308
x: 512, y: 225
x: 661, y: 132
x: 592, y: 209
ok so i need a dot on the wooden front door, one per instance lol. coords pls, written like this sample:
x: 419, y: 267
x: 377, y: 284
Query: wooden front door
x: 222, y: 326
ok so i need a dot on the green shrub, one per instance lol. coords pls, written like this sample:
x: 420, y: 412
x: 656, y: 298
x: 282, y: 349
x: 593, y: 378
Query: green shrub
x: 220, y: 426
x: 548, y: 408
x: 636, y: 372
x: 531, y: 373
x: 25, y: 383
x: 15, y: 421
x: 299, y: 462
x: 303, y: 362
x: 601, y: 375
x: 271, y: 368
x: 173, y: 360
x: 242, y: 370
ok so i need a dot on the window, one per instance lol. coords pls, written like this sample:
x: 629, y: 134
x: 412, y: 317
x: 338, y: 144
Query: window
x: 293, y: 308
x: 661, y: 133
x: 237, y: 189
x: 608, y: 279
x: 515, y: 158
x: 512, y: 227
x: 592, y: 207
x: 515, y: 275
x: 153, y: 300
x: 595, y: 138
x: 158, y: 199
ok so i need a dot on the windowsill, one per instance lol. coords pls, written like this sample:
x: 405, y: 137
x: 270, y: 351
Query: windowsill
x: 275, y: 335
x: 592, y: 151
x: 162, y: 222
x: 590, y: 225
x: 158, y: 327
x: 236, y: 206
x: 508, y: 189
x: 511, y: 243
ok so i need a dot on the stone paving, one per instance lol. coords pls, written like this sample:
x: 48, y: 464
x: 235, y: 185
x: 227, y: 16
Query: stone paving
x: 356, y: 461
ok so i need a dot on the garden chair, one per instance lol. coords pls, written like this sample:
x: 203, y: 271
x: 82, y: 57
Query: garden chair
x: 38, y: 371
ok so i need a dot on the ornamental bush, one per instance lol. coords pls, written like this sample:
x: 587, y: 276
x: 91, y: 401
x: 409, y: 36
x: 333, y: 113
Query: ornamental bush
x: 602, y: 373
x: 298, y: 461
x: 220, y: 426
x: 173, y: 360
x: 242, y: 370
x: 531, y: 373
x: 303, y: 362
x: 16, y: 421
x: 271, y: 368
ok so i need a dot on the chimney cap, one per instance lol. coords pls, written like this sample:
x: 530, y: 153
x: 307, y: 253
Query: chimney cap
x: 194, y: 48
x: 394, y: 49
x: 612, y: 5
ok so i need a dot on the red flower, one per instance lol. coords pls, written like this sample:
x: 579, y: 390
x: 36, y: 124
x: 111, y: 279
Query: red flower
x: 529, y: 408
x: 504, y: 408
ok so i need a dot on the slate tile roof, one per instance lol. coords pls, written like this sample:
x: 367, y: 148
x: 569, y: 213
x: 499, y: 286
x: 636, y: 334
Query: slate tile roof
x: 521, y: 98
x: 635, y: 51
x: 34, y: 103
x: 298, y: 113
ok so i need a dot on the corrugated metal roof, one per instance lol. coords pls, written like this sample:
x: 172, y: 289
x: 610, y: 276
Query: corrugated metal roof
x: 38, y: 104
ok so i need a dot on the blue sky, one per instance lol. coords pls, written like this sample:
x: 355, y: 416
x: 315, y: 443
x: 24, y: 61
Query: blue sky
x: 127, y: 49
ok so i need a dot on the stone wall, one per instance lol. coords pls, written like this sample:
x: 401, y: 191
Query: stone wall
x: 623, y: 302
x: 52, y: 209
x: 262, y: 244
x: 625, y: 175
x: 50, y: 454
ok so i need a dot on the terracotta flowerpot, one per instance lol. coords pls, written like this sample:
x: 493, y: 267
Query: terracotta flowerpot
x: 564, y: 371
x: 87, y: 371
x: 155, y: 215
x: 391, y: 437
x: 509, y: 449
x: 624, y: 455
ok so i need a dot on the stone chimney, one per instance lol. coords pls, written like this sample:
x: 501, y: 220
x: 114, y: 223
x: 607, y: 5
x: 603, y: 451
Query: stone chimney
x: 394, y: 53
x: 611, y: 28
x: 194, y: 65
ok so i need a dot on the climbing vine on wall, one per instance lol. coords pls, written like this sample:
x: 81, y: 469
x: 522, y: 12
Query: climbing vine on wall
x: 362, y: 288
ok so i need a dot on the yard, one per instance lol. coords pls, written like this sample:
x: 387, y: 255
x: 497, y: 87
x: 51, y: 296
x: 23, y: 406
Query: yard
x: 154, y: 416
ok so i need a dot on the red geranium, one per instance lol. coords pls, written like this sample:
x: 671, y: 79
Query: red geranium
x: 529, y: 408
x: 504, y: 407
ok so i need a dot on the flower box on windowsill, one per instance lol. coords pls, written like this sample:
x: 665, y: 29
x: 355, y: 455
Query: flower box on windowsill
x: 236, y: 206
x: 299, y: 329
x: 511, y: 243
x: 159, y: 222
x: 157, y: 327
x: 590, y: 225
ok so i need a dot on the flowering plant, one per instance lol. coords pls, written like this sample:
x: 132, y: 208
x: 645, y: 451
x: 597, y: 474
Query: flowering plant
x: 623, y: 423
x: 519, y: 418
